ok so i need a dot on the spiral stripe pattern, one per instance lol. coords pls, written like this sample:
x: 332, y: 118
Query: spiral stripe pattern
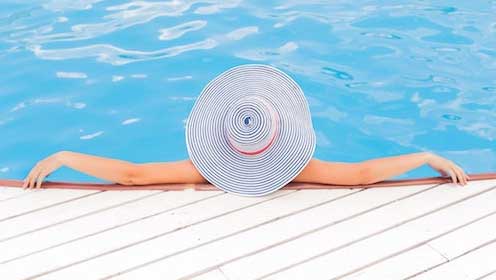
x: 251, y: 125
x: 250, y: 131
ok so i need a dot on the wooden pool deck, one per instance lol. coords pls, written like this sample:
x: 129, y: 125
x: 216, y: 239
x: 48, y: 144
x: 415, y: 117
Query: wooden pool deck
x: 429, y: 231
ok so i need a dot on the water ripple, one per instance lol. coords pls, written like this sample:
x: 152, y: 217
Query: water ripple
x: 117, y: 56
x: 448, y: 37
x: 451, y: 117
x: 180, y: 78
x: 217, y: 6
x: 490, y: 89
x: 240, y: 33
x: 336, y: 73
x: 268, y: 53
x: 71, y: 75
x: 181, y: 29
x: 124, y: 16
x: 381, y: 35
x: 91, y: 136
x: 130, y: 121
x: 62, y: 5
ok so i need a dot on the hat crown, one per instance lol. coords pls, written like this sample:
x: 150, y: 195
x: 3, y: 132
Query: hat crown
x: 250, y: 131
x: 251, y: 124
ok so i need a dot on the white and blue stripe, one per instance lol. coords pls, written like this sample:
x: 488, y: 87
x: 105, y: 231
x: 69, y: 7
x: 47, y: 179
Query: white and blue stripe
x: 250, y: 131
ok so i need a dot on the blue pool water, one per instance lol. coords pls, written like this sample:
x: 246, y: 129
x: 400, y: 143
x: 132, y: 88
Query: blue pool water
x: 118, y: 78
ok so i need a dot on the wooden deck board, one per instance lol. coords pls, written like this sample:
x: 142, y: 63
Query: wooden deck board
x: 472, y: 235
x: 39, y: 199
x: 434, y: 212
x: 90, y: 225
x: 67, y: 211
x: 215, y: 274
x: 194, y: 237
x: 473, y: 265
x: 7, y: 193
x: 260, y: 238
x: 382, y: 233
x: 489, y: 276
x: 116, y: 237
x: 402, y: 266
x: 436, y: 252
x: 335, y: 235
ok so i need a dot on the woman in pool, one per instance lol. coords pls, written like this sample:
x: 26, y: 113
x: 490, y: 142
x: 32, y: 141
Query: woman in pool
x: 317, y: 171
x: 250, y: 133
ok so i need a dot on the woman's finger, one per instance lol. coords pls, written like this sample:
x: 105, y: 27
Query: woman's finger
x: 465, y: 175
x: 458, y: 175
x: 41, y: 177
x: 31, y: 175
x: 461, y: 178
x: 25, y: 183
x: 28, y: 178
x: 453, y: 177
x: 33, y: 179
x: 461, y: 174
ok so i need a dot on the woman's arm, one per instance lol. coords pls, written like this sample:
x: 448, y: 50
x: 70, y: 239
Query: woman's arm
x: 317, y: 171
x: 376, y: 170
x: 114, y: 170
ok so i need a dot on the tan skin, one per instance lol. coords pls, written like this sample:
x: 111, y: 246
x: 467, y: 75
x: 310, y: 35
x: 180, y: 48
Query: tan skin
x: 317, y: 171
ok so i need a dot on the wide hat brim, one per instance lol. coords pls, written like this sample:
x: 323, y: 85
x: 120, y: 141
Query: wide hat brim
x: 250, y: 175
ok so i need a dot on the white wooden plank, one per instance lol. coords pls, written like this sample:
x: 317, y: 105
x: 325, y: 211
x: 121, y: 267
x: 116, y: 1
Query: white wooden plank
x: 153, y: 226
x: 10, y: 192
x: 450, y: 246
x: 196, y: 235
x: 40, y: 199
x: 215, y: 274
x: 89, y: 225
x: 69, y: 210
x: 464, y: 239
x: 215, y: 253
x: 391, y: 241
x: 401, y: 266
x: 278, y: 257
x: 470, y: 266
x: 490, y: 276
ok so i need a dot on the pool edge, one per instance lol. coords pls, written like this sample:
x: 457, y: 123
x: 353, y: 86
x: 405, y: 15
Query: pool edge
x: 209, y: 187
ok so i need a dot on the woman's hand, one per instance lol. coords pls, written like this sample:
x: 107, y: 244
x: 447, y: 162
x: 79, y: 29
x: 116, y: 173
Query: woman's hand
x: 448, y: 168
x: 42, y: 169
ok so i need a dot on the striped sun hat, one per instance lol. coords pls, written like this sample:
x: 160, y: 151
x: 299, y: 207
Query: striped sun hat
x: 250, y: 131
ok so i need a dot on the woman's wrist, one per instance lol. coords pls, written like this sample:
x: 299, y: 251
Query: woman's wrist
x: 428, y: 156
x: 60, y: 156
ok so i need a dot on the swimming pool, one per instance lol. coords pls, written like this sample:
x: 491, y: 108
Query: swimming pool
x: 118, y: 78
